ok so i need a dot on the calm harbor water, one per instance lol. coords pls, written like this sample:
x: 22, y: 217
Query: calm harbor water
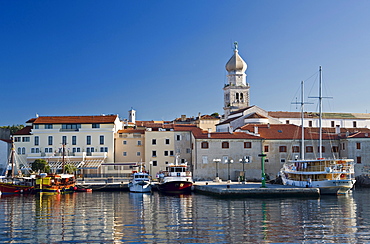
x: 123, y: 217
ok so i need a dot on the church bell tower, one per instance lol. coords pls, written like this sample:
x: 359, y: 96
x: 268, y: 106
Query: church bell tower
x: 236, y: 91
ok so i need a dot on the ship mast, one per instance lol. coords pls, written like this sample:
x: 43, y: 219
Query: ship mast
x: 12, y: 158
x: 320, y: 112
x: 302, y: 103
x: 63, y: 152
x: 302, y: 120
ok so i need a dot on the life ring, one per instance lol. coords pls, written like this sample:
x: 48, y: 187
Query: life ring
x: 342, y: 175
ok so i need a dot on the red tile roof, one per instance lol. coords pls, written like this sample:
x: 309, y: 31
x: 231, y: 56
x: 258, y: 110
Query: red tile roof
x: 129, y: 130
x: 286, y: 132
x: 6, y: 140
x: 94, y: 119
x: 25, y: 131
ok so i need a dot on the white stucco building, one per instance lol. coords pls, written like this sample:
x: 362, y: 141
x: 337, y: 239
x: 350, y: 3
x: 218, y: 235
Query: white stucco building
x: 88, y: 141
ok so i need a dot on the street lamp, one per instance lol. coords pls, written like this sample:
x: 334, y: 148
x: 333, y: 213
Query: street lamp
x: 216, y: 160
x: 244, y: 161
x: 228, y: 168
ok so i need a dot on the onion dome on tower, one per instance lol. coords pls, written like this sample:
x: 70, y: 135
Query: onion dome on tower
x: 236, y: 91
x: 236, y: 63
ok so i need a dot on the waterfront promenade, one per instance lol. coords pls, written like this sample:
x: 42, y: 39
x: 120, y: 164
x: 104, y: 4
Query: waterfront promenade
x: 223, y: 188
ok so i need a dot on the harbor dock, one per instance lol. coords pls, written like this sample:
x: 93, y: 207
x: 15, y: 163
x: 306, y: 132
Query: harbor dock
x: 236, y: 189
x: 252, y: 189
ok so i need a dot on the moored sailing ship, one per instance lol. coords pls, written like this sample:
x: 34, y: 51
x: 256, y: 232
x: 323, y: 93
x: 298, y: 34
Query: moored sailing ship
x: 331, y: 176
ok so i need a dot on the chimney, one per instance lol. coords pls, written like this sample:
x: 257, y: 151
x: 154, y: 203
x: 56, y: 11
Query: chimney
x: 209, y: 132
x: 337, y: 129
x: 255, y: 129
x: 183, y: 117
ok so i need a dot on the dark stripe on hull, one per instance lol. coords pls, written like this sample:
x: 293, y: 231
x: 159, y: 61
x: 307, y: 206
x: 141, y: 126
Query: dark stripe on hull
x: 15, y: 189
x: 176, y: 187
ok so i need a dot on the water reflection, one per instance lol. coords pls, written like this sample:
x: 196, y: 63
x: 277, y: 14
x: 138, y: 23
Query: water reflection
x: 119, y: 217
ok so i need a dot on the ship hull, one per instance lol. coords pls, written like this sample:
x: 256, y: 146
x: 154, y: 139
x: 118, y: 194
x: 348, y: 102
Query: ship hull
x: 326, y: 187
x: 140, y: 187
x: 8, y: 188
x: 175, y: 187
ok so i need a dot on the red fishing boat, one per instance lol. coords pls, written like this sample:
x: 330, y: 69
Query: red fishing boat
x: 177, y: 179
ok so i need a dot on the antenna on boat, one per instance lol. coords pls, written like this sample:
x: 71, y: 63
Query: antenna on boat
x: 302, y: 103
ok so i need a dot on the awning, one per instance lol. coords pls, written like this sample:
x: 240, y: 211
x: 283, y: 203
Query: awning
x: 59, y: 165
x: 91, y: 164
x: 86, y: 164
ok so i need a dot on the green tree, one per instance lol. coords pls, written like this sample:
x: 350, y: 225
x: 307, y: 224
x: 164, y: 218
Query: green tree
x: 13, y: 128
x: 40, y: 165
x: 215, y: 114
x: 69, y: 169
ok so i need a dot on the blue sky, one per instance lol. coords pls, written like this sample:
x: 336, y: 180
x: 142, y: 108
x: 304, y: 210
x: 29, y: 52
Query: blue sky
x: 167, y: 58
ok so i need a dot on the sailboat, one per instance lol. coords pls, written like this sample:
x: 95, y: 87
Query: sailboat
x: 15, y: 184
x: 331, y: 176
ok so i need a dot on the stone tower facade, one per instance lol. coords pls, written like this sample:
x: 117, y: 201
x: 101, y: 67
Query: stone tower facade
x: 236, y: 91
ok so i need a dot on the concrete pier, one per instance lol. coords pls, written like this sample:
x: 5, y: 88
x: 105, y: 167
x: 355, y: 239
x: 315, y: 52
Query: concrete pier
x: 253, y: 190
x: 227, y: 189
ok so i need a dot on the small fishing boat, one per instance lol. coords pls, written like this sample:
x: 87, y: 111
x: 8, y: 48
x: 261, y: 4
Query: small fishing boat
x: 55, y: 183
x: 331, y: 176
x: 82, y: 189
x: 140, y: 182
x: 177, y: 179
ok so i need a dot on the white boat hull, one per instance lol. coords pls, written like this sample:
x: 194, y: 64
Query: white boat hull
x: 140, y: 187
x: 325, y: 187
